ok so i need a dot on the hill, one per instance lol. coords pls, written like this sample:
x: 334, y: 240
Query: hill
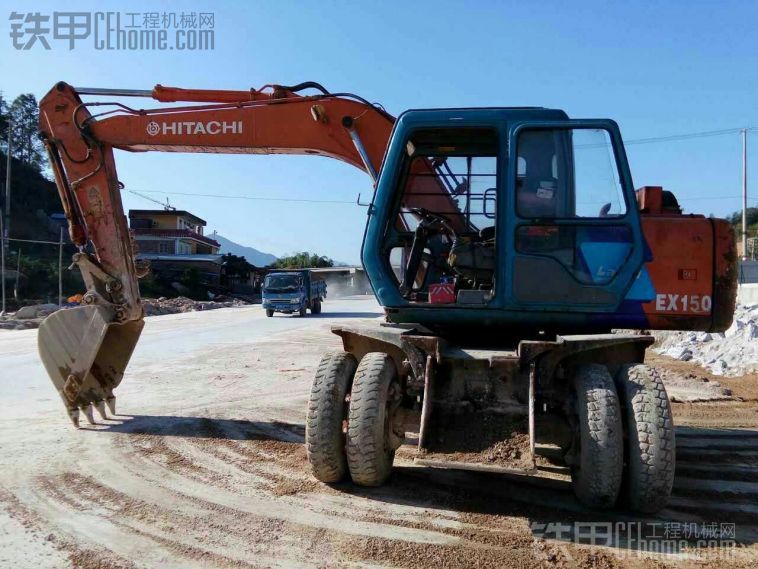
x: 253, y: 256
x: 33, y: 199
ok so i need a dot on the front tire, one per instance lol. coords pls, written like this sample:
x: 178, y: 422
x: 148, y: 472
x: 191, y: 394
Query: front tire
x: 651, y: 445
x: 327, y: 411
x: 598, y: 466
x: 302, y: 311
x: 370, y: 452
x: 269, y: 313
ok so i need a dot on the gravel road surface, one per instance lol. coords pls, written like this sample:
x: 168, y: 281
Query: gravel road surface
x: 204, y: 466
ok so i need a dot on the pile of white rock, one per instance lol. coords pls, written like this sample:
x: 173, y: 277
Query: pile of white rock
x: 163, y: 305
x: 731, y: 353
x: 29, y: 317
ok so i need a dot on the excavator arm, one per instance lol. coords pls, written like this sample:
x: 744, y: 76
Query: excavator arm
x: 86, y: 349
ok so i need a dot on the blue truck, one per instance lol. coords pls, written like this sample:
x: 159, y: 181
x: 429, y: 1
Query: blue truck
x: 292, y: 291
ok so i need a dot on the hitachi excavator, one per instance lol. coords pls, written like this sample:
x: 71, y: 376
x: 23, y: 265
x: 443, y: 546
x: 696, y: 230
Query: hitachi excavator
x: 505, y: 245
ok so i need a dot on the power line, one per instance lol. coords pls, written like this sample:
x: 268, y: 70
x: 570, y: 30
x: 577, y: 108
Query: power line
x: 239, y: 197
x: 687, y: 136
x: 710, y: 197
x: 166, y: 206
x: 635, y: 141
x: 258, y: 198
x: 305, y: 200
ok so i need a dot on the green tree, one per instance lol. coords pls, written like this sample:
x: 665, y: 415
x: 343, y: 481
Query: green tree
x: 33, y: 198
x: 193, y: 283
x: 303, y: 260
x: 237, y: 267
x: 155, y: 286
x: 39, y: 275
x: 736, y: 218
x: 24, y: 117
x: 3, y: 118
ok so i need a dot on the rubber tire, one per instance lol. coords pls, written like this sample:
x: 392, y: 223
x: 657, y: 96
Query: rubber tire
x: 327, y: 409
x: 369, y: 456
x: 269, y: 313
x: 303, y: 312
x: 316, y: 307
x: 596, y: 479
x: 651, y: 444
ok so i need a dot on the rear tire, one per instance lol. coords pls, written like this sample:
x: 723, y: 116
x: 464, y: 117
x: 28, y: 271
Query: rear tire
x: 597, y: 469
x: 327, y: 412
x: 316, y: 307
x: 370, y: 453
x: 269, y: 313
x: 651, y: 445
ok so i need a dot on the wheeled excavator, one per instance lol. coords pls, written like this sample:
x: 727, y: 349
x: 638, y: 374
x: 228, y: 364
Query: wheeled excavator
x: 518, y: 268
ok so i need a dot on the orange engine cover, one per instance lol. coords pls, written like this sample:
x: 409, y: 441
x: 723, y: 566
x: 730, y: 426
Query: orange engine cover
x: 693, y: 271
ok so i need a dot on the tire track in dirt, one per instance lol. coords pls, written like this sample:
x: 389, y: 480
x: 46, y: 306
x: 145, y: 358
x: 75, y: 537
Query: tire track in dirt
x: 177, y: 529
x: 174, y: 463
x: 208, y: 462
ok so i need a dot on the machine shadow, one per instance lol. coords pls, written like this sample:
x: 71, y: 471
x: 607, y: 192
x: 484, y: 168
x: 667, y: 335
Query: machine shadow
x: 548, y: 505
x: 347, y: 315
x: 467, y: 492
x: 327, y: 315
x: 204, y: 427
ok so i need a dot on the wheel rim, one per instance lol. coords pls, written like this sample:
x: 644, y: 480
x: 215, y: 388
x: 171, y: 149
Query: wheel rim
x: 390, y: 414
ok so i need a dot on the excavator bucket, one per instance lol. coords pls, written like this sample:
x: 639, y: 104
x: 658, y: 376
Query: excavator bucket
x: 85, y: 354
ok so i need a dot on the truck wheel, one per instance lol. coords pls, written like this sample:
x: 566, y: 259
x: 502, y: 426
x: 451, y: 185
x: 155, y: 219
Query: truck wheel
x: 598, y: 465
x: 651, y: 447
x: 302, y: 311
x: 370, y: 450
x: 316, y: 307
x: 269, y: 313
x: 327, y: 412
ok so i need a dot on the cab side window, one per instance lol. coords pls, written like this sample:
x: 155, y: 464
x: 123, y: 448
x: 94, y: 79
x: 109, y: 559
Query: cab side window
x: 566, y: 173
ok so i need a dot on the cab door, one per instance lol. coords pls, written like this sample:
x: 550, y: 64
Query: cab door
x: 574, y: 241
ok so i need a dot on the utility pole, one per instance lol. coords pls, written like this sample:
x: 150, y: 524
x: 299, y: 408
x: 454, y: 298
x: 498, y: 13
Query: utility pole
x: 4, y: 226
x: 60, y: 268
x: 18, y: 276
x: 744, y: 194
x: 7, y: 233
x: 2, y: 261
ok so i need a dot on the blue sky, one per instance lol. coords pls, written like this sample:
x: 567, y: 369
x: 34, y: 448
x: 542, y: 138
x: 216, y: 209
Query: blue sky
x: 656, y: 68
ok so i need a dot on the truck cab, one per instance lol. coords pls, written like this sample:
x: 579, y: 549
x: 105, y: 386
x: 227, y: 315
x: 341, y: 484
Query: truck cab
x: 292, y: 292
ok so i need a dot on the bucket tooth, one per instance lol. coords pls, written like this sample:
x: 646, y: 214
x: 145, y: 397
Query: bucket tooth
x: 111, y: 403
x: 73, y: 414
x: 85, y: 352
x: 89, y: 414
x: 100, y: 406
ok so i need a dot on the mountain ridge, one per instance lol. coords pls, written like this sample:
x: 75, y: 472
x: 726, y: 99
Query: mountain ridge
x: 251, y: 254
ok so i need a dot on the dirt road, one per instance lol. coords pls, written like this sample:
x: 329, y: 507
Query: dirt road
x: 204, y: 467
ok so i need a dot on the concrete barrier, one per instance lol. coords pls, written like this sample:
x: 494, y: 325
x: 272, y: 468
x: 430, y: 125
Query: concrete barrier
x: 748, y: 293
x: 748, y: 272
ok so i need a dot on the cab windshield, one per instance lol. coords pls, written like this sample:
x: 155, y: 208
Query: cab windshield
x: 276, y: 283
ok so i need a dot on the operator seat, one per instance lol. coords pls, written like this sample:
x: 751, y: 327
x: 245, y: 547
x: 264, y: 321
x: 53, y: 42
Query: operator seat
x: 536, y: 198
